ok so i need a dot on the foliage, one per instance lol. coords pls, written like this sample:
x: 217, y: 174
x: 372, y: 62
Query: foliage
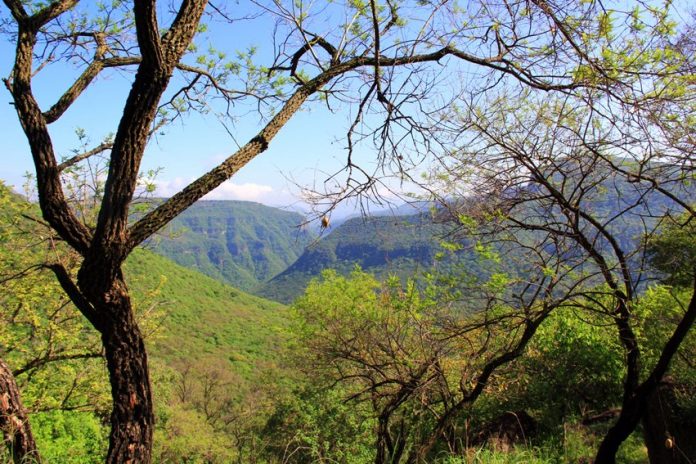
x: 315, y: 422
x: 621, y: 98
x: 659, y: 310
x: 202, y: 316
x: 403, y: 353
x: 383, y: 245
x: 673, y: 251
x: 241, y: 243
x: 42, y: 336
x: 66, y: 397
x: 226, y: 390
x: 572, y: 368
x: 70, y: 437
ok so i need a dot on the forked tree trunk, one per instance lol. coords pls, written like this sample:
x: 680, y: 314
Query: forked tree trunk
x: 636, y: 403
x: 132, y: 416
x: 14, y: 423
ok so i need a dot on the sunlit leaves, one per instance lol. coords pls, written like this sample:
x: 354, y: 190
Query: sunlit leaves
x: 38, y: 324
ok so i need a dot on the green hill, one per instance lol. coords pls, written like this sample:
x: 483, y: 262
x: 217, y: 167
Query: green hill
x: 381, y: 245
x: 203, y: 317
x: 211, y: 349
x: 240, y: 243
x: 401, y: 245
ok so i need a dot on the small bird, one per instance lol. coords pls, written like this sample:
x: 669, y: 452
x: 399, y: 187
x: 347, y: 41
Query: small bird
x: 324, y: 222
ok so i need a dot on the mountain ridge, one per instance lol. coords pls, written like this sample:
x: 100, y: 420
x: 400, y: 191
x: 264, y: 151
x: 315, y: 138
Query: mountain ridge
x: 241, y: 243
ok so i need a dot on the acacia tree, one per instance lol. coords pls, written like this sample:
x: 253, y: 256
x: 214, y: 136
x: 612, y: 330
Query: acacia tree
x: 544, y: 164
x: 552, y: 168
x: 420, y: 356
x: 355, y: 57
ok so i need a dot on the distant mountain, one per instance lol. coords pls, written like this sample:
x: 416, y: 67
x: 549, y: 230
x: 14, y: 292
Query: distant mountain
x: 240, y: 243
x: 403, y: 244
x: 261, y: 249
x: 383, y: 245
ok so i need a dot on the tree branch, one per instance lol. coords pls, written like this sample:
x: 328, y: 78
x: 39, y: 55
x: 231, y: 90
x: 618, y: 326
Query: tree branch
x: 39, y: 362
x: 147, y: 30
x: 52, y: 200
x: 51, y: 12
x: 17, y: 10
x: 670, y: 348
x: 183, y: 28
x: 102, y: 147
x: 82, y: 82
x: 76, y: 295
x: 168, y: 210
x: 139, y: 112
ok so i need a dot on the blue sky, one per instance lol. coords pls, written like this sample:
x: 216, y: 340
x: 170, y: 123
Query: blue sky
x: 305, y: 151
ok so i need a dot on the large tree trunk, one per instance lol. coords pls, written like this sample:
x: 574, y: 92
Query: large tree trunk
x: 13, y: 420
x: 670, y: 433
x: 132, y: 416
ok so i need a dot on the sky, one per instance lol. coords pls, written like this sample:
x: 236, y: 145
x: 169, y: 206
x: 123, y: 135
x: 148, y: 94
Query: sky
x: 307, y: 150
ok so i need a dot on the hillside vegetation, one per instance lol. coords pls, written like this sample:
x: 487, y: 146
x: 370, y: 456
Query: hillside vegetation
x: 201, y: 316
x: 399, y: 245
x: 209, y: 344
x: 359, y: 360
x: 241, y: 243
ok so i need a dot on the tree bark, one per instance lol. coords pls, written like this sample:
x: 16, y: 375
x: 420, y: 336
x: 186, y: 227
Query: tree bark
x: 669, y: 431
x: 132, y: 416
x: 631, y: 412
x: 13, y: 420
x: 635, y: 403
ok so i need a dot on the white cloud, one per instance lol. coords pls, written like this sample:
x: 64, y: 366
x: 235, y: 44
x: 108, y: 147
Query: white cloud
x: 167, y: 188
x: 227, y: 191
x: 249, y: 192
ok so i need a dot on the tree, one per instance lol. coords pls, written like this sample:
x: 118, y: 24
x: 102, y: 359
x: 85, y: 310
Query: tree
x: 53, y: 354
x: 355, y: 59
x: 418, y: 355
x: 49, y: 349
x: 545, y: 166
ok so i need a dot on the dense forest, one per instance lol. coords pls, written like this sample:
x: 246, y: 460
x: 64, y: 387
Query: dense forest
x: 536, y: 306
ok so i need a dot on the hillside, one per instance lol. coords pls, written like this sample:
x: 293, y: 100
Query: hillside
x: 211, y: 347
x: 187, y: 314
x: 381, y: 245
x: 240, y: 243
x: 203, y: 317
x: 401, y: 245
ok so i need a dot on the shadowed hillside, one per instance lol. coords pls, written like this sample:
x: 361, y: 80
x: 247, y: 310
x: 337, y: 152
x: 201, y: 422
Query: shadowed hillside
x: 241, y: 243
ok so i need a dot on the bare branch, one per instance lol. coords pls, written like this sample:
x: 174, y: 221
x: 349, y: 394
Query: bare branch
x: 76, y: 295
x: 82, y: 82
x: 101, y: 148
